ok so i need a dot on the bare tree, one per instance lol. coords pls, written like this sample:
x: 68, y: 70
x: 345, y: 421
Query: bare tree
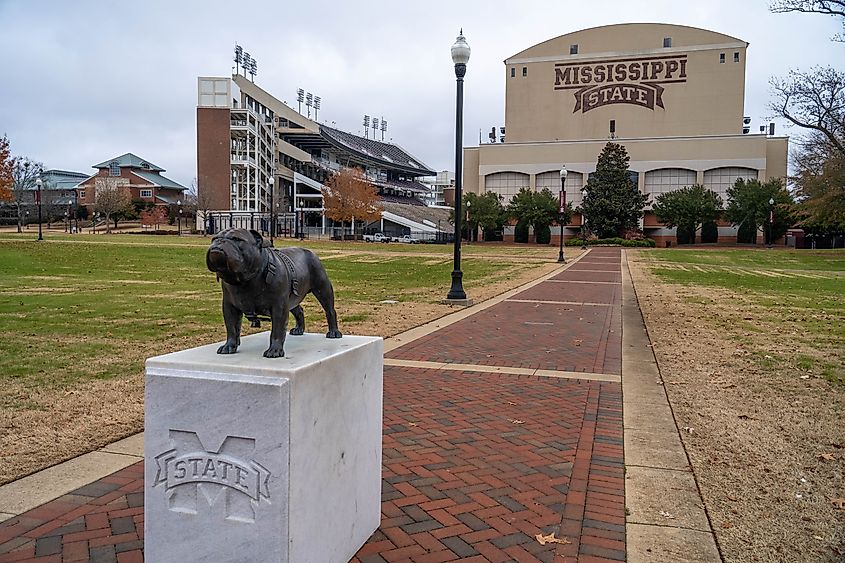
x: 202, y: 203
x: 24, y: 173
x: 834, y: 8
x: 813, y: 100
x: 111, y: 196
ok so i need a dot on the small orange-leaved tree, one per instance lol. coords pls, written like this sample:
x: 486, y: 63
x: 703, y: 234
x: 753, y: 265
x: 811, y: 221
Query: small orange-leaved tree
x: 6, y: 165
x: 347, y: 196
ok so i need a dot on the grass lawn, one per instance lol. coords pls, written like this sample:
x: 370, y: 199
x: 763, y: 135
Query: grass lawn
x: 799, y: 293
x: 93, y: 307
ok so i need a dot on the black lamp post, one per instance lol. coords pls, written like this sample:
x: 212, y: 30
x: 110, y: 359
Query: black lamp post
x: 771, y: 219
x: 179, y: 218
x: 583, y: 221
x: 38, y: 183
x: 562, y: 210
x: 272, y: 209
x: 460, y: 57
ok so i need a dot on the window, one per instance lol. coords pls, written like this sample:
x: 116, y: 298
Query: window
x: 114, y: 168
x: 667, y: 42
x: 525, y: 71
x: 81, y: 194
x: 721, y: 58
x: 573, y: 49
x: 506, y: 184
x: 736, y: 57
x: 513, y: 72
x: 146, y: 193
x: 720, y: 179
x: 573, y: 185
x: 666, y: 180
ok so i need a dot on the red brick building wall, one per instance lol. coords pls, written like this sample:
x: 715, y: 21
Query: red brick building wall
x: 213, y: 156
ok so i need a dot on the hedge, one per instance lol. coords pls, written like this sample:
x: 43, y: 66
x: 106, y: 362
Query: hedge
x: 613, y: 241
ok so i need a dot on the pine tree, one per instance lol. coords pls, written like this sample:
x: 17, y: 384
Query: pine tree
x: 612, y: 202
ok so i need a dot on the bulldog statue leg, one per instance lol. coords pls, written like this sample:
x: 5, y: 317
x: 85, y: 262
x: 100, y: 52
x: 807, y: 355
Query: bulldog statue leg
x: 299, y: 316
x: 232, y: 317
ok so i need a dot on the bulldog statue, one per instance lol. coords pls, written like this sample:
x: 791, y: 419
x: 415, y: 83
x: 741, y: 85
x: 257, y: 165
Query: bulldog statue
x: 265, y: 283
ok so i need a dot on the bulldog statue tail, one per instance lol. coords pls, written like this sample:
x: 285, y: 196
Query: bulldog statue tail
x: 263, y: 283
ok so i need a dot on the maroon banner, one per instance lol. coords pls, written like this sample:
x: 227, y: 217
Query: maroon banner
x: 644, y: 95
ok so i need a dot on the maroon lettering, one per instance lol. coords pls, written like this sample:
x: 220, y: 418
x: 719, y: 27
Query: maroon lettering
x: 656, y: 69
x: 563, y: 76
x: 621, y: 74
x: 683, y: 68
x: 634, y: 71
x: 586, y: 74
x: 671, y: 67
x: 599, y: 76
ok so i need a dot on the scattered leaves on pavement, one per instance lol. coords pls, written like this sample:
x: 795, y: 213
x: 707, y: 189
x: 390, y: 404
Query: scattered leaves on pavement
x: 550, y: 538
x: 827, y: 456
x: 839, y: 503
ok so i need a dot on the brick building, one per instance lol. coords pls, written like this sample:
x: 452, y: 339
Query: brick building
x: 142, y: 178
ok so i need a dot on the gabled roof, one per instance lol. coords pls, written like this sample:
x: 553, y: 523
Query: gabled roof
x: 386, y: 154
x: 130, y: 160
x: 159, y: 180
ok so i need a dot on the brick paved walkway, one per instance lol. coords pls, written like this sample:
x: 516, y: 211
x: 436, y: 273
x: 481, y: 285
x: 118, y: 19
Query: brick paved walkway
x: 476, y: 464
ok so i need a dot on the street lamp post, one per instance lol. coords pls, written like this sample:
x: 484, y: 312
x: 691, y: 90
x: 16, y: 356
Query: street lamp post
x: 179, y: 217
x: 38, y: 184
x: 771, y: 219
x: 562, y: 210
x: 460, y: 57
x: 469, y: 229
x: 272, y: 209
x: 583, y: 221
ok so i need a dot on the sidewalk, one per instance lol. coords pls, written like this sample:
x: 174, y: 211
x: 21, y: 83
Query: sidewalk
x: 500, y: 429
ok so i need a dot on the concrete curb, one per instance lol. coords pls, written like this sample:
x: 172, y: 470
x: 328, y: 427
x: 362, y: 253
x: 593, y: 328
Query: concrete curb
x: 666, y: 518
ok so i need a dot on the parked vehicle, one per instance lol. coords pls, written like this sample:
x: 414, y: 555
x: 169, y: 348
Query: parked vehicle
x: 407, y: 239
x: 377, y: 237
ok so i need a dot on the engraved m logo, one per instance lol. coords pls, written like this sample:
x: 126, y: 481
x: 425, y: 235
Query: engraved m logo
x: 189, y: 468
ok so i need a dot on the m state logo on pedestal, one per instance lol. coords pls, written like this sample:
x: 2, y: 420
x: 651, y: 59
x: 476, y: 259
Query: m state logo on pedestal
x: 189, y: 468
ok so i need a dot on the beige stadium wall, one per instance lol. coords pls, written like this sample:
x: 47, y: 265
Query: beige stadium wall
x: 565, y: 96
x: 694, y: 153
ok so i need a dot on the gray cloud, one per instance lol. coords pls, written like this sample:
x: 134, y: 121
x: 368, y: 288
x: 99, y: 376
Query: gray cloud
x: 85, y: 80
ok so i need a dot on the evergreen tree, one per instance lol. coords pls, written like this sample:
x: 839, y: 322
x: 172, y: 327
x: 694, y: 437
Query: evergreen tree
x: 485, y: 211
x: 612, y: 202
x: 748, y: 207
x: 688, y: 208
x: 538, y: 209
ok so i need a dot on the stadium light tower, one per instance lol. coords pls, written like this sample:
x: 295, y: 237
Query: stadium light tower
x: 460, y: 57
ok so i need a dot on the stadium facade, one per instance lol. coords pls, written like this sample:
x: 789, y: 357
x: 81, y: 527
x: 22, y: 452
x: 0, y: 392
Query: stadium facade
x: 672, y: 95
x: 256, y: 154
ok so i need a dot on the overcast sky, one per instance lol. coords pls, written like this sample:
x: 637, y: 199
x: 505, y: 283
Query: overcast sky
x: 84, y: 81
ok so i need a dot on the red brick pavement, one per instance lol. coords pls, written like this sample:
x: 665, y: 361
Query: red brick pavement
x: 475, y: 464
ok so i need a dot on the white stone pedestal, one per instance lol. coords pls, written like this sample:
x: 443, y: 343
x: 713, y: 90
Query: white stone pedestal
x: 254, y: 459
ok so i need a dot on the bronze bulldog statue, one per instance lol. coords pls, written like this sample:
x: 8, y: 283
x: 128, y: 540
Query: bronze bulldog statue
x: 265, y: 283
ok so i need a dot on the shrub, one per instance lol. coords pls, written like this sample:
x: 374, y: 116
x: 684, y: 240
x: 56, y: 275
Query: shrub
x: 645, y: 243
x: 685, y: 234
x: 747, y: 233
x: 543, y: 235
x: 520, y: 232
x: 709, y: 232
